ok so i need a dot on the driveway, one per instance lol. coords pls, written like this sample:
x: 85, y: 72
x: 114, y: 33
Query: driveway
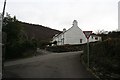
x: 53, y: 65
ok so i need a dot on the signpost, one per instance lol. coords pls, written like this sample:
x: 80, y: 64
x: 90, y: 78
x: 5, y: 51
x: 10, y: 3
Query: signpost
x: 87, y: 34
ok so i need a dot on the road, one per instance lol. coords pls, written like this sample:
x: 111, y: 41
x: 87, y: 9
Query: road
x: 54, y: 65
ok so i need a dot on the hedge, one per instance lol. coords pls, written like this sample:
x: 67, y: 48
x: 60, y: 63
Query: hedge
x: 105, y: 58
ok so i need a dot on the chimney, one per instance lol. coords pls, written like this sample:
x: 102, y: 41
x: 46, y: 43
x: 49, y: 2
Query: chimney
x: 64, y: 30
x: 75, y: 23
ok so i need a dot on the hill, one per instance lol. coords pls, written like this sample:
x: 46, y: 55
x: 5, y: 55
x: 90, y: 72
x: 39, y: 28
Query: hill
x: 38, y: 32
x: 22, y: 39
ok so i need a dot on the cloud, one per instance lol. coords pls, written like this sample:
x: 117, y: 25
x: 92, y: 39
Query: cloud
x: 59, y: 14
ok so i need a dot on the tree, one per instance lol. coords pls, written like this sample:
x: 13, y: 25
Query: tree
x: 16, y: 43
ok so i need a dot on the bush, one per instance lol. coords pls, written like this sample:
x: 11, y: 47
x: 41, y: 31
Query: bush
x: 105, y: 56
x: 15, y: 39
x: 65, y: 48
x: 17, y: 50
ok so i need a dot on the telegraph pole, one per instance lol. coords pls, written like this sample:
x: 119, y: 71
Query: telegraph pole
x: 3, y: 10
x: 2, y: 44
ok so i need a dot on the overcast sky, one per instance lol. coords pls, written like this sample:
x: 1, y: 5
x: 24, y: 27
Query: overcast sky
x: 58, y: 14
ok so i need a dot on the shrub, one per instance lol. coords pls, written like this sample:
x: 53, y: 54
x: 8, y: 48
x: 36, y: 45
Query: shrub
x: 105, y: 56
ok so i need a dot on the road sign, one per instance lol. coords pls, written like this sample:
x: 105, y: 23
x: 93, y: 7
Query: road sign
x: 87, y: 33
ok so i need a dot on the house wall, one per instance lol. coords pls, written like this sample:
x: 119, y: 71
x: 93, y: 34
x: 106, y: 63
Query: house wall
x: 73, y: 36
x: 59, y: 39
x: 94, y: 38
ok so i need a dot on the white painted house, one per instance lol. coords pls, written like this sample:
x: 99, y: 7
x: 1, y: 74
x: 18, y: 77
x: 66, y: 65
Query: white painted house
x: 73, y: 35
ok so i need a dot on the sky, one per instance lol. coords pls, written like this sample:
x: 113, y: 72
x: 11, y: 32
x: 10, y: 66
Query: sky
x: 92, y: 15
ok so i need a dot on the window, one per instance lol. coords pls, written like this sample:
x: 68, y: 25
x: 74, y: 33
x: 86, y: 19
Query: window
x: 62, y: 40
x: 92, y: 37
x: 96, y: 38
x: 80, y: 40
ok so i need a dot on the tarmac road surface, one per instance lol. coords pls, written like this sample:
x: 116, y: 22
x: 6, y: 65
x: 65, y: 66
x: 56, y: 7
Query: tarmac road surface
x: 54, y: 65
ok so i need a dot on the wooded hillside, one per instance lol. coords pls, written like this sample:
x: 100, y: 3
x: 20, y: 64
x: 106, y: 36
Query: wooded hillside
x: 38, y: 32
x: 22, y: 39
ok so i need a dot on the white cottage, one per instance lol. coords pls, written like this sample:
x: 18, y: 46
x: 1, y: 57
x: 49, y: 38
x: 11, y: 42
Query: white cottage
x: 73, y: 35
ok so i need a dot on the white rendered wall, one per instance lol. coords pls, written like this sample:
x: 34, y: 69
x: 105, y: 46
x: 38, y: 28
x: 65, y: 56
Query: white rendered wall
x: 73, y: 36
x: 92, y: 39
